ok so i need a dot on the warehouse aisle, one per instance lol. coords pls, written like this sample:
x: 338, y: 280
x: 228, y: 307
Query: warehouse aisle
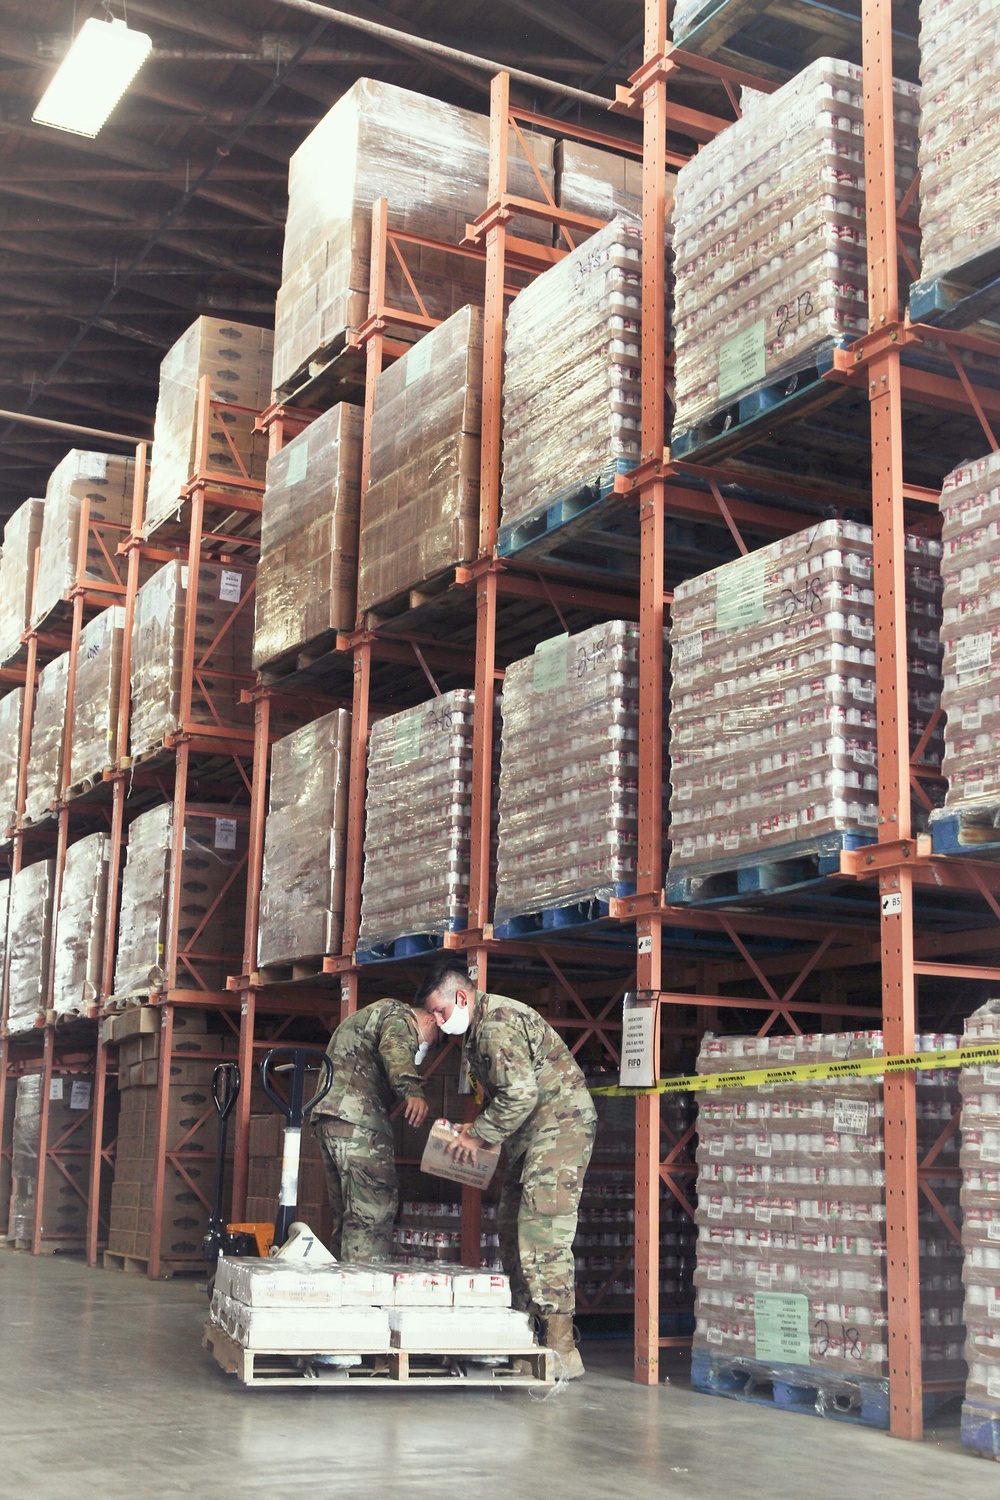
x: 82, y: 1351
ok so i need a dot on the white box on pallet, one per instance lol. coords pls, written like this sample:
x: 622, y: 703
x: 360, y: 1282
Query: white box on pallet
x: 480, y: 1288
x: 365, y: 1286
x: 309, y: 1330
x: 270, y: 1283
x: 450, y: 1330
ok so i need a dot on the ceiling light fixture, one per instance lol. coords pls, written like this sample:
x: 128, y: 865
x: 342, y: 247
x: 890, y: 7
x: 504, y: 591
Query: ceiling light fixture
x: 102, y: 61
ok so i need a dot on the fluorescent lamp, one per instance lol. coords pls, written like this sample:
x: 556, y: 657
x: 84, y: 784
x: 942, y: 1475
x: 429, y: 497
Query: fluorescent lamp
x: 102, y: 61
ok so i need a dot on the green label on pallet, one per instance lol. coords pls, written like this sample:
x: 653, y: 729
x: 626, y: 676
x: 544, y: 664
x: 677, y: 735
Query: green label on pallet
x: 781, y: 1325
x: 406, y: 739
x: 742, y: 361
x: 739, y: 593
x: 549, y: 665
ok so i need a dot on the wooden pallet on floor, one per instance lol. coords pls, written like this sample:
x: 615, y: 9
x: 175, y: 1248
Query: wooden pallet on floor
x: 398, y: 1369
x: 138, y: 1265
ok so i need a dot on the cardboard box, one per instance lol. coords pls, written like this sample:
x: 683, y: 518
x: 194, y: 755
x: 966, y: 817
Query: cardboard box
x: 451, y: 1330
x: 308, y: 1330
x: 436, y: 1161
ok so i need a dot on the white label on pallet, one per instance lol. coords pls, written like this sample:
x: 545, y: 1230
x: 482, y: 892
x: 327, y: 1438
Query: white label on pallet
x: 230, y: 586
x: 850, y: 1116
x: 972, y: 653
x: 117, y: 613
x: 892, y: 904
x: 993, y: 1385
x: 688, y: 649
x: 742, y: 361
x: 298, y: 459
x: 993, y: 1229
x: 225, y: 833
x: 991, y: 1077
x: 184, y: 576
x: 79, y: 1094
x: 418, y: 360
x: 55, y: 1090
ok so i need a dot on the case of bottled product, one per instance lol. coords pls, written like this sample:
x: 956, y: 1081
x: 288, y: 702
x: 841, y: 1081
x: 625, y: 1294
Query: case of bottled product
x: 106, y: 482
x: 79, y: 949
x: 29, y: 931
x: 21, y: 535
x: 48, y: 733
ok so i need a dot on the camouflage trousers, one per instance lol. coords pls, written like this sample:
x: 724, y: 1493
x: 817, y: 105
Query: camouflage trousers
x: 361, y: 1185
x: 537, y: 1214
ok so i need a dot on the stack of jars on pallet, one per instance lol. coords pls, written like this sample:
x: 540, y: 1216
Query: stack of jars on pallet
x: 791, y: 1267
x: 980, y: 1088
x: 61, y: 1215
x: 772, y: 704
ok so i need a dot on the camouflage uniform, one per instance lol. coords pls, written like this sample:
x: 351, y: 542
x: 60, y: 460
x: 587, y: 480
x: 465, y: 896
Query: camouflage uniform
x: 538, y: 1105
x: 373, y: 1055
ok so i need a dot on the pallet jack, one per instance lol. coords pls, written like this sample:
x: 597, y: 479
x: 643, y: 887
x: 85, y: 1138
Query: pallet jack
x: 222, y: 1238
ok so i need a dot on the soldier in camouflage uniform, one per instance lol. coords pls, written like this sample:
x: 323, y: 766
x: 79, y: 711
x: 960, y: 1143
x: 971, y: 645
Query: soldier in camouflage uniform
x: 536, y: 1102
x: 374, y: 1055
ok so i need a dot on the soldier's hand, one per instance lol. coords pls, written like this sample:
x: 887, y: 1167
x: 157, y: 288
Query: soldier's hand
x: 464, y: 1147
x: 415, y: 1110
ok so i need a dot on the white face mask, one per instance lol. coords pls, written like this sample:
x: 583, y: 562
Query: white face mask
x: 458, y: 1022
x: 422, y: 1052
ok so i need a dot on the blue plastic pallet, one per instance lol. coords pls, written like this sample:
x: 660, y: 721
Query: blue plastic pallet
x: 404, y: 947
x: 789, y: 393
x: 788, y: 867
x: 580, y: 914
x: 970, y: 294
x: 981, y: 1430
x: 581, y: 504
x: 959, y: 832
x: 796, y: 1388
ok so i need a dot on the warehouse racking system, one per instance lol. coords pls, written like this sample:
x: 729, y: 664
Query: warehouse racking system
x: 787, y: 954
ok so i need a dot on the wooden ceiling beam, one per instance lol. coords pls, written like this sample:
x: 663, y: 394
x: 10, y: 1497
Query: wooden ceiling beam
x: 91, y: 202
x: 66, y: 252
x: 196, y: 20
x: 562, y: 21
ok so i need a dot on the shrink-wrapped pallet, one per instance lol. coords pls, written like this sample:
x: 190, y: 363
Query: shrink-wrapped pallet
x: 223, y: 648
x: 4, y: 919
x: 24, y: 1156
x: 769, y: 238
x: 305, y: 843
x: 772, y: 705
x: 572, y: 392
x: 307, y: 576
x: 421, y: 509
x: 569, y: 773
x: 11, y: 709
x: 80, y: 926
x: 94, y: 747
x: 211, y: 900
x: 959, y: 137
x: 21, y: 535
x: 599, y: 183
x: 106, y: 481
x: 970, y: 633
x: 29, y: 931
x: 430, y: 161
x: 418, y: 818
x: 791, y: 1257
x: 237, y: 359
x: 48, y: 734
x: 980, y: 1160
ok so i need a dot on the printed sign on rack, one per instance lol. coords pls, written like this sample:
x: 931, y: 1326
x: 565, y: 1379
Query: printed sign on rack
x: 639, y: 1062
x: 79, y: 1094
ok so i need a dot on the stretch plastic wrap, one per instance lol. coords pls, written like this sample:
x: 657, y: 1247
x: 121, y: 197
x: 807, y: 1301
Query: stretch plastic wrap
x: 237, y: 359
x: 772, y: 706
x: 599, y: 183
x: 980, y: 1162
x: 21, y: 535
x: 80, y: 925
x: 96, y: 699
x: 418, y: 813
x: 28, y: 935
x: 959, y: 133
x: 769, y: 237
x: 305, y: 843
x: 212, y: 899
x: 572, y: 380
x: 48, y: 734
x: 107, y: 482
x: 421, y: 509
x: 569, y: 772
x: 431, y: 163
x: 24, y: 1156
x: 223, y: 651
x: 11, y: 709
x: 970, y: 632
x: 307, y: 576
x: 791, y: 1266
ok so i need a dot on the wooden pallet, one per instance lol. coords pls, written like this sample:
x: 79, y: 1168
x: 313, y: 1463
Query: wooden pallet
x: 299, y: 971
x: 755, y: 37
x: 398, y: 610
x: 959, y: 298
x: 393, y: 1370
x: 971, y: 830
x: 86, y: 784
x: 779, y: 871
x: 334, y: 373
x: 138, y: 1265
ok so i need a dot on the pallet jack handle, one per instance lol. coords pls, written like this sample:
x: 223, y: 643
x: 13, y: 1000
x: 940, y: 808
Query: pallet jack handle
x: 297, y: 1061
x: 225, y: 1092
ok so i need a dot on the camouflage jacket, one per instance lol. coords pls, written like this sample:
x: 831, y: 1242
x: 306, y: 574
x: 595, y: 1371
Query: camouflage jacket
x: 527, y: 1075
x: 373, y: 1055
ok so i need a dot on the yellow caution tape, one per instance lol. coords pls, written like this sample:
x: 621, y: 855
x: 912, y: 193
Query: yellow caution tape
x: 976, y: 1055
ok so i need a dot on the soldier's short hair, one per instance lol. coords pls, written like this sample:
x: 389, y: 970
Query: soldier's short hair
x: 439, y: 972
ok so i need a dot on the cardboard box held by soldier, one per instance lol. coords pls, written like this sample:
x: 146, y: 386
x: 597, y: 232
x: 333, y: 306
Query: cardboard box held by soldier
x: 436, y: 1161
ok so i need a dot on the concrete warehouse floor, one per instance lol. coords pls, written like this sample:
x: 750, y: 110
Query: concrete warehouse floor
x: 105, y: 1392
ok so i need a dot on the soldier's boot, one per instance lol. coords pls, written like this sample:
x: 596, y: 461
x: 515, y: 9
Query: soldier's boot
x: 558, y: 1336
x: 526, y: 1366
